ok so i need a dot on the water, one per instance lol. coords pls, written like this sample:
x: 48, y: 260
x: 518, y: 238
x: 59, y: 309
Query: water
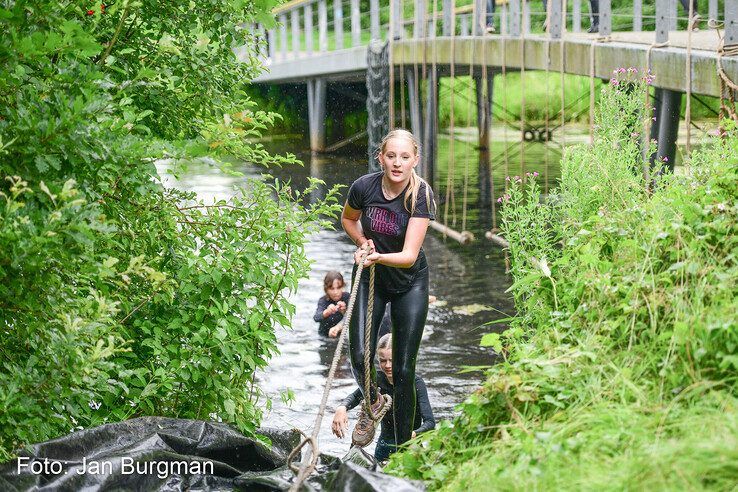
x: 468, y: 281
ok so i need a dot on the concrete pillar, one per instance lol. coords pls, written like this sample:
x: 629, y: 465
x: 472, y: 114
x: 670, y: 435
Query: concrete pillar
x: 316, y: 92
x: 413, y: 95
x: 668, y: 120
x: 484, y: 107
x: 430, y: 131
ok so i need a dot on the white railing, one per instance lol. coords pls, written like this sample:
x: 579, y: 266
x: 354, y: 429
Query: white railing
x: 343, y: 24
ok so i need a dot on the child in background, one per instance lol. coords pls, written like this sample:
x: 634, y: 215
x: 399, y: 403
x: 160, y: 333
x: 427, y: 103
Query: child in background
x: 332, y: 305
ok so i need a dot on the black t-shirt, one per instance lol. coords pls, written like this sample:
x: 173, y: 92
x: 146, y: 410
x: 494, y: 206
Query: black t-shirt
x: 385, y: 222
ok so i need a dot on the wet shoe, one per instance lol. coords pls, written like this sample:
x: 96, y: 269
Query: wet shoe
x: 364, y: 430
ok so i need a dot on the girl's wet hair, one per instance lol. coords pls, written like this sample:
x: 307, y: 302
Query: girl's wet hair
x: 385, y: 342
x: 411, y: 195
x: 330, y: 277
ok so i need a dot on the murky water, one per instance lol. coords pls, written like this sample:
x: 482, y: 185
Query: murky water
x: 469, y: 282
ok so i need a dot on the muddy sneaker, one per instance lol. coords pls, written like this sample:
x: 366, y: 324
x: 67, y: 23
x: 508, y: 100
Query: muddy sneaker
x: 364, y: 430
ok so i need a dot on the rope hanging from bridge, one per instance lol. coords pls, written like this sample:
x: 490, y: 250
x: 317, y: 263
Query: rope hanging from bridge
x: 310, y: 460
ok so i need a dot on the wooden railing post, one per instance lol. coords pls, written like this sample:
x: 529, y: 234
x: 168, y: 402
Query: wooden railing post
x: 479, y: 23
x: 514, y: 17
x: 464, y: 24
x: 397, y: 21
x: 731, y: 23
x: 448, y: 18
x: 420, y: 10
x: 554, y: 22
x: 662, y: 20
x: 526, y: 16
x: 712, y: 10
x: 308, y: 11
x: 672, y: 15
x: 322, y: 26
x: 374, y: 18
x: 283, y: 36
x: 576, y: 16
x: 338, y: 23
x: 355, y: 23
x: 295, y: 18
x: 637, y: 15
x: 271, y: 42
x: 605, y: 17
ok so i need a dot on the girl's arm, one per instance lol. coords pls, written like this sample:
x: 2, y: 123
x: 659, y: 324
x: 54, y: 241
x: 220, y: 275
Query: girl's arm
x: 350, y: 222
x: 414, y: 237
x: 426, y: 412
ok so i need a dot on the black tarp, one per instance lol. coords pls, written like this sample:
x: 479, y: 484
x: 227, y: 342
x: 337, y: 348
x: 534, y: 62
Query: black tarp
x: 163, y: 454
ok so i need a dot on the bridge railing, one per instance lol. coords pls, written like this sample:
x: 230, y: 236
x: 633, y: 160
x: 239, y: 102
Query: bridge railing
x: 312, y: 27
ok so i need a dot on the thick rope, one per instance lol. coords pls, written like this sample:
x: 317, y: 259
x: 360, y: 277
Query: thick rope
x: 390, y: 62
x: 452, y: 128
x: 727, y: 86
x: 368, y: 359
x: 308, y: 463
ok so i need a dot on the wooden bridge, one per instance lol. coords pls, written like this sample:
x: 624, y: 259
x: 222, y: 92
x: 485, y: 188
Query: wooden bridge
x: 319, y: 46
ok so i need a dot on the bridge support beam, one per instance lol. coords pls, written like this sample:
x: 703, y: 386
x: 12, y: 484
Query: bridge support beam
x: 668, y: 121
x: 316, y: 93
x: 484, y: 106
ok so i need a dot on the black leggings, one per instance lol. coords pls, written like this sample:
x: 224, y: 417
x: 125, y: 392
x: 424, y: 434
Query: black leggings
x: 408, y: 312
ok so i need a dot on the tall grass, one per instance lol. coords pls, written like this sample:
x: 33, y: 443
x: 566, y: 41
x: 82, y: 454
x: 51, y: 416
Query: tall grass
x: 619, y: 371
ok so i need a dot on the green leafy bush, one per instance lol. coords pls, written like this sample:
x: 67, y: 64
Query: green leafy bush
x: 620, y: 366
x: 118, y: 297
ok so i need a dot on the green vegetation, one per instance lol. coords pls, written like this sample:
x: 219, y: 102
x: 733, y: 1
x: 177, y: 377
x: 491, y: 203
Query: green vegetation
x: 618, y: 371
x: 118, y: 297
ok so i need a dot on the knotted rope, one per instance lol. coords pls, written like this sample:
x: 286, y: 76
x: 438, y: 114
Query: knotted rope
x: 310, y: 461
x: 727, y: 86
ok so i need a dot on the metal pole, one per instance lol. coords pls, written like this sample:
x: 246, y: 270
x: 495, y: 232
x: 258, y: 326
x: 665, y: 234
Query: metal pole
x: 671, y: 102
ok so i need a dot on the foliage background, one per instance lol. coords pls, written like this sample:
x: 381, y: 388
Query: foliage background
x: 118, y: 297
x: 618, y: 371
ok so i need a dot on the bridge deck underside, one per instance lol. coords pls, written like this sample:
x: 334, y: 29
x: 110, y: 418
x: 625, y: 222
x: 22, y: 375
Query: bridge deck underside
x: 622, y: 49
